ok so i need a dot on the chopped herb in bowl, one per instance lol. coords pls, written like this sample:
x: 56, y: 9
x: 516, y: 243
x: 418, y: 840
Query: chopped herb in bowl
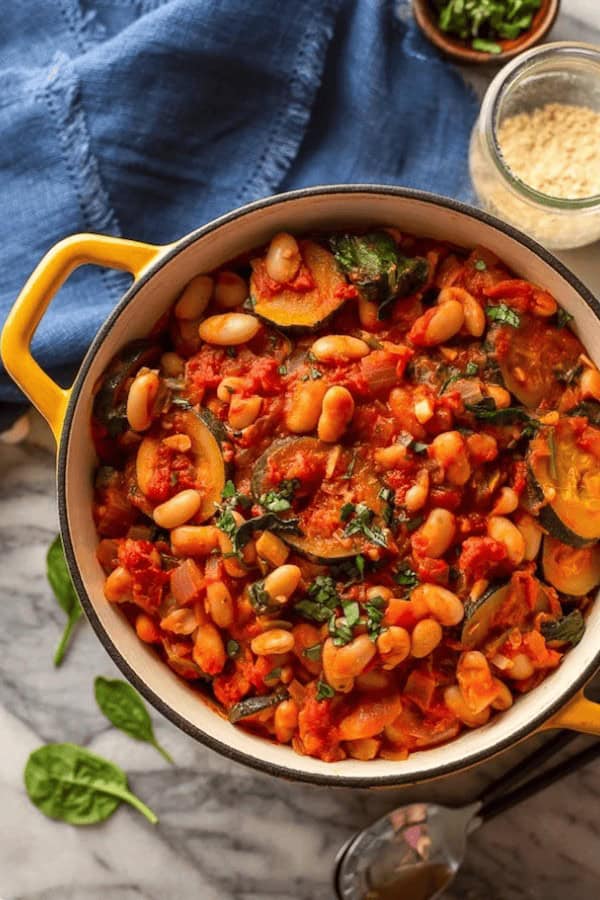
x: 484, y: 23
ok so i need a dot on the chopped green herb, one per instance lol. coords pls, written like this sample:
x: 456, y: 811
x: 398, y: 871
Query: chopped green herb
x: 267, y: 522
x: 350, y: 470
x: 480, y: 265
x: 260, y: 599
x: 418, y: 447
x: 347, y: 511
x: 322, y: 600
x: 339, y: 631
x: 362, y: 523
x: 231, y: 351
x: 503, y: 314
x: 280, y: 500
x: 315, y: 374
x: 563, y: 318
x: 311, y: 356
x: 471, y: 369
x: 227, y: 523
x: 375, y: 609
x: 324, y: 691
x: 359, y: 562
x: 273, y: 676
x: 552, y: 448
x: 569, y: 629
x: 406, y: 576
x: 232, y: 648
x: 282, y: 370
x: 485, y: 46
x: 313, y: 653
x: 228, y: 491
x: 351, y: 612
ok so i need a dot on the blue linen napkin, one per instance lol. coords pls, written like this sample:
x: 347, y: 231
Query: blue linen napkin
x: 148, y: 119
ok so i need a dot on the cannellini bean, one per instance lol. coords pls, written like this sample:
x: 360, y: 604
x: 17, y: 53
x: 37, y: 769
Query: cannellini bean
x: 363, y: 748
x: 179, y: 442
x: 243, y: 411
x: 504, y: 697
x: 368, y: 313
x: 393, y: 645
x: 437, y: 532
x: 283, y: 581
x: 172, y: 365
x: 118, y: 586
x: 342, y: 347
x: 234, y: 567
x: 474, y: 317
x: 442, y: 604
x: 455, y: 702
x: 416, y: 496
x: 379, y: 590
x: 373, y: 680
x: 140, y: 399
x: 446, y: 321
x: 228, y: 329
x: 180, y: 621
x: 590, y: 384
x: 521, y: 668
x: 304, y: 409
x: 276, y: 640
x: 306, y: 636
x: 195, y: 298
x: 229, y: 386
x: 543, y: 304
x: 336, y: 413
x: 425, y: 637
x: 341, y: 665
x: 506, y: 503
x: 272, y: 549
x: 532, y: 535
x: 503, y: 530
x: 390, y: 457
x: 449, y: 449
x: 499, y: 395
x: 230, y: 290
x: 209, y: 650
x: 147, y: 630
x: 283, y: 257
x: 370, y: 716
x: 178, y: 510
x: 194, y: 540
x: 474, y: 677
x: 285, y: 721
x: 220, y: 604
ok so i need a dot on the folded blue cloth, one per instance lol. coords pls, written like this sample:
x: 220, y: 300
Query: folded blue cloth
x: 148, y: 119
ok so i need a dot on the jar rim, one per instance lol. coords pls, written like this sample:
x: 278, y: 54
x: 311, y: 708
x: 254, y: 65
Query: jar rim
x: 500, y: 85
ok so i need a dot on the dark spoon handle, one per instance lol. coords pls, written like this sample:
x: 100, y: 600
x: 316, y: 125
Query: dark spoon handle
x: 498, y: 805
x: 530, y: 764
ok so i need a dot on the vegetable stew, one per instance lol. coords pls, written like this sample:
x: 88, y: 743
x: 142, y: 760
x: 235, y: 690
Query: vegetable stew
x: 350, y: 486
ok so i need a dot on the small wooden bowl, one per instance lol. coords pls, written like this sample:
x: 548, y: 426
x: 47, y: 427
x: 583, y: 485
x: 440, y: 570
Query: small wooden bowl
x: 460, y: 50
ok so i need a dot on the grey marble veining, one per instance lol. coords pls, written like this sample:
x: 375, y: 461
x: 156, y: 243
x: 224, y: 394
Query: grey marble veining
x: 226, y: 832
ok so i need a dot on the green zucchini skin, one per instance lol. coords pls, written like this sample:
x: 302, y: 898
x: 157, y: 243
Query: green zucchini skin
x: 110, y: 401
x: 589, y: 409
x: 480, y: 612
x: 578, y: 583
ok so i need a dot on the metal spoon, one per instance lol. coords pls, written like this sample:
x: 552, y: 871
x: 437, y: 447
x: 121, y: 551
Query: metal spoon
x: 414, y: 852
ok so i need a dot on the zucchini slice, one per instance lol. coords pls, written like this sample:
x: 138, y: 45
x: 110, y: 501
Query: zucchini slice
x: 483, y: 616
x: 110, y: 403
x: 480, y: 614
x: 574, y: 571
x: 560, y: 468
x: 588, y: 408
x: 293, y: 310
x: 318, y: 499
x: 533, y: 357
x: 206, y: 454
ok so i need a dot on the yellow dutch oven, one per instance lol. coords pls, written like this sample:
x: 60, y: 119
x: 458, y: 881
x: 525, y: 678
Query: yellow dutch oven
x: 160, y: 273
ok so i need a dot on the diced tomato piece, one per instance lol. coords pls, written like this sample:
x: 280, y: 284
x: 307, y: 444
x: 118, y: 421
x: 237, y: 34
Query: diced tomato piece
x: 481, y: 557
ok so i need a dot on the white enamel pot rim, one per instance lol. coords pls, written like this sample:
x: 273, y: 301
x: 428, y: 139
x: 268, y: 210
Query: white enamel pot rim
x: 557, y: 702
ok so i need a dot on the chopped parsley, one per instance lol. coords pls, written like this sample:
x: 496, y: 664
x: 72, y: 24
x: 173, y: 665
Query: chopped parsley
x: 313, y: 653
x: 563, y: 318
x: 375, y: 609
x: 315, y: 373
x: 321, y: 601
x: 324, y: 691
x: 406, y: 576
x: 359, y: 562
x: 260, y: 599
x: 339, y: 630
x: 280, y: 500
x: 503, y: 314
x: 233, y: 497
x: 232, y: 648
x: 359, y: 519
x: 471, y: 369
x: 282, y: 370
x: 227, y: 523
x: 388, y: 496
x: 480, y: 265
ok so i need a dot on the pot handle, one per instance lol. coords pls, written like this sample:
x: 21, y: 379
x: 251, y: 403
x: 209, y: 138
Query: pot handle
x: 579, y: 714
x: 50, y: 273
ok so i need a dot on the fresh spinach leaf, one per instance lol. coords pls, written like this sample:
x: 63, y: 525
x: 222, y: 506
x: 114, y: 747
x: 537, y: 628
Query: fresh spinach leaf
x: 503, y: 314
x: 362, y: 523
x: 406, y: 576
x: 125, y: 709
x: 569, y: 629
x: 62, y: 586
x: 281, y: 499
x: 324, y: 691
x: 69, y: 783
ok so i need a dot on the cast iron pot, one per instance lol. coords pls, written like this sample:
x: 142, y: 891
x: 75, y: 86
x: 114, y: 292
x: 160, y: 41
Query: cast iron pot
x: 160, y: 273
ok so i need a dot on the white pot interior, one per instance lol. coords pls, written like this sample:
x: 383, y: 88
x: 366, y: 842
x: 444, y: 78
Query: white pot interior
x: 206, y: 252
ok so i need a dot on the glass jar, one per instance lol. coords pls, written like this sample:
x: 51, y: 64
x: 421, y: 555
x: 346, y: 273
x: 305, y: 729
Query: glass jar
x: 563, y: 72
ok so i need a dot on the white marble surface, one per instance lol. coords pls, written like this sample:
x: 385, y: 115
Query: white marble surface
x: 225, y: 832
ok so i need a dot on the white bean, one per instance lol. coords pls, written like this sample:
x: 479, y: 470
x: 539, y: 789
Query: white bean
x: 503, y: 530
x: 437, y: 532
x: 141, y: 396
x: 343, y: 347
x: 283, y: 257
x: 178, y: 510
x: 230, y: 290
x: 228, y: 329
x: 195, y: 298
